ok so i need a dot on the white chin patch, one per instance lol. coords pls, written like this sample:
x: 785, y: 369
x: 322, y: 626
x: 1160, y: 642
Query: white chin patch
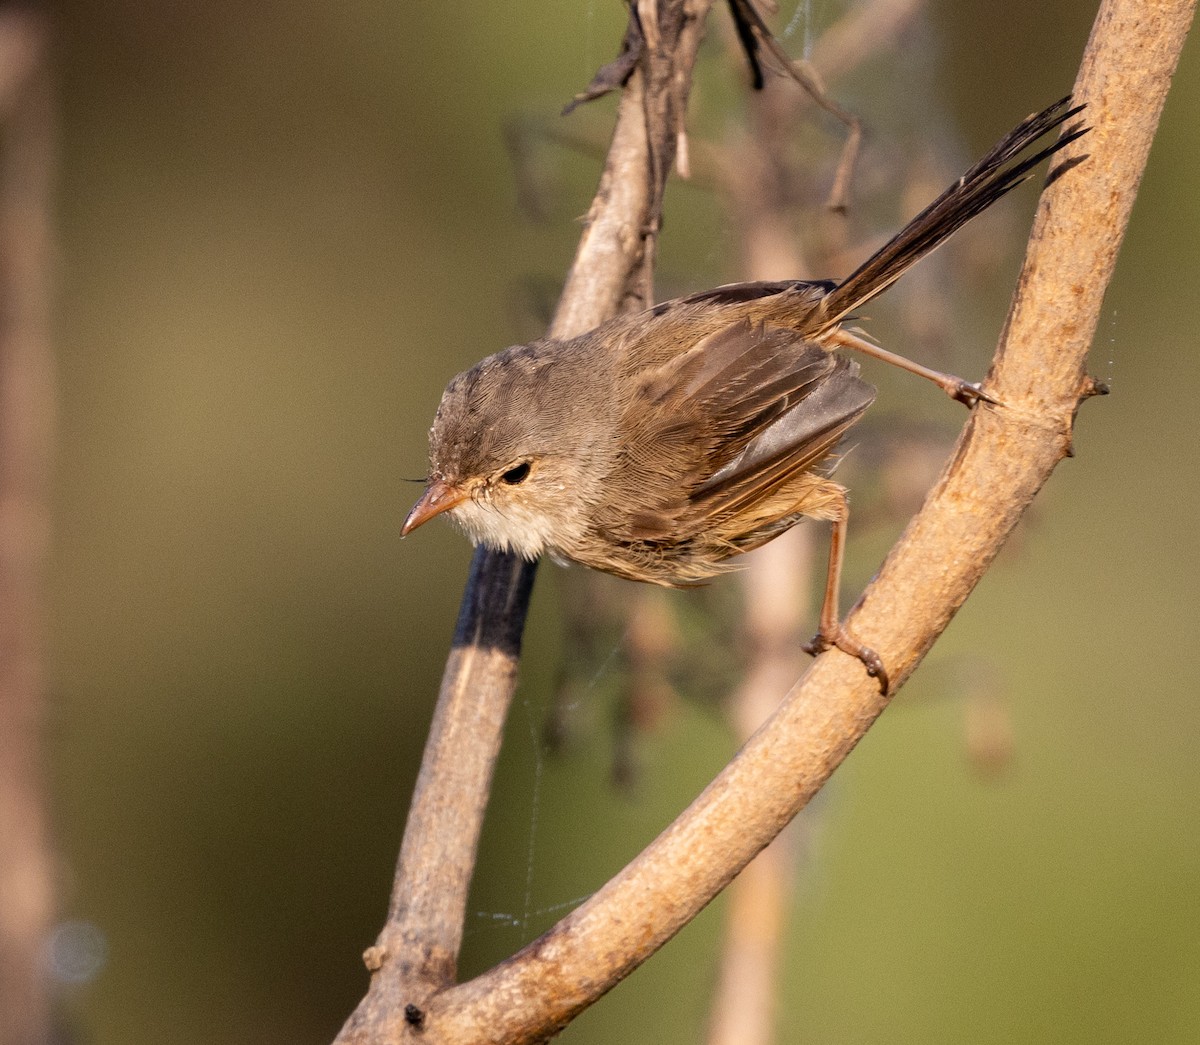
x: 484, y: 525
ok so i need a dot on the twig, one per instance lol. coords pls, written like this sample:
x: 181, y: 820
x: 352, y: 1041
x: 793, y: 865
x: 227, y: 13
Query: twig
x: 758, y: 39
x: 416, y: 954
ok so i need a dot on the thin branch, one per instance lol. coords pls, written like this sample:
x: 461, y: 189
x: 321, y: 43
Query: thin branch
x: 1002, y: 460
x: 416, y: 954
x: 758, y: 40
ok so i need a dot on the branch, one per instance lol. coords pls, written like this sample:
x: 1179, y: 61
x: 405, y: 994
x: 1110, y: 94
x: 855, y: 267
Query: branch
x: 416, y: 953
x: 1002, y: 459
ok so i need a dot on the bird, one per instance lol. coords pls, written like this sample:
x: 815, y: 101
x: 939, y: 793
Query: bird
x: 663, y: 443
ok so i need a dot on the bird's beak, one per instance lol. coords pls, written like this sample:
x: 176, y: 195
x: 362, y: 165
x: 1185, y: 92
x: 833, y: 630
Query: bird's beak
x: 439, y: 496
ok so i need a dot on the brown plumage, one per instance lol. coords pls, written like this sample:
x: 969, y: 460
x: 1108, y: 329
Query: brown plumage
x: 662, y: 443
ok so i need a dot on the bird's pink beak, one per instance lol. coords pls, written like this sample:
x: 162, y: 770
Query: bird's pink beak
x: 439, y: 496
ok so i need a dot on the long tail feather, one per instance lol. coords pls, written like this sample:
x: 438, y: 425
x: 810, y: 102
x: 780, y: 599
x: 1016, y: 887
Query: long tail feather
x: 973, y: 193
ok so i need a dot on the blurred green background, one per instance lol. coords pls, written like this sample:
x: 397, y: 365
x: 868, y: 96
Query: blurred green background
x: 283, y: 227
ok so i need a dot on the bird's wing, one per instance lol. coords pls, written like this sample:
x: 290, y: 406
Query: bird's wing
x: 724, y: 424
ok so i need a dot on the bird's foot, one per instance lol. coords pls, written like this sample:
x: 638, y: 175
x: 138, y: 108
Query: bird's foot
x: 966, y: 392
x: 844, y: 641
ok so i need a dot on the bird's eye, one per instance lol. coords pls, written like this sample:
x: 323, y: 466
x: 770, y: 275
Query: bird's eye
x: 516, y: 474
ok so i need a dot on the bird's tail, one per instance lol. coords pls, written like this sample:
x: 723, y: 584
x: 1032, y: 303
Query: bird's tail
x: 999, y: 171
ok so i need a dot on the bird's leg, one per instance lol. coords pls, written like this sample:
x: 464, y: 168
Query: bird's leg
x: 831, y: 632
x: 954, y: 387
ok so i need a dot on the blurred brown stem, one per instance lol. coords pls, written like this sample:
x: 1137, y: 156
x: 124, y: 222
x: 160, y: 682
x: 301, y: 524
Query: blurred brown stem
x: 26, y: 418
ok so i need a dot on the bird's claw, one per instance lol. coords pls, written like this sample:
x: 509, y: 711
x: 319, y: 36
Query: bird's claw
x: 871, y: 660
x: 968, y: 393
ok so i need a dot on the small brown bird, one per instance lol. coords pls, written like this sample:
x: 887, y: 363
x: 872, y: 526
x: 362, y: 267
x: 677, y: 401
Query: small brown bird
x: 662, y: 443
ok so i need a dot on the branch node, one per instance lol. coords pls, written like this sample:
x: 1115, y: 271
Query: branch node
x: 374, y: 957
x: 414, y: 1016
x: 1091, y: 386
